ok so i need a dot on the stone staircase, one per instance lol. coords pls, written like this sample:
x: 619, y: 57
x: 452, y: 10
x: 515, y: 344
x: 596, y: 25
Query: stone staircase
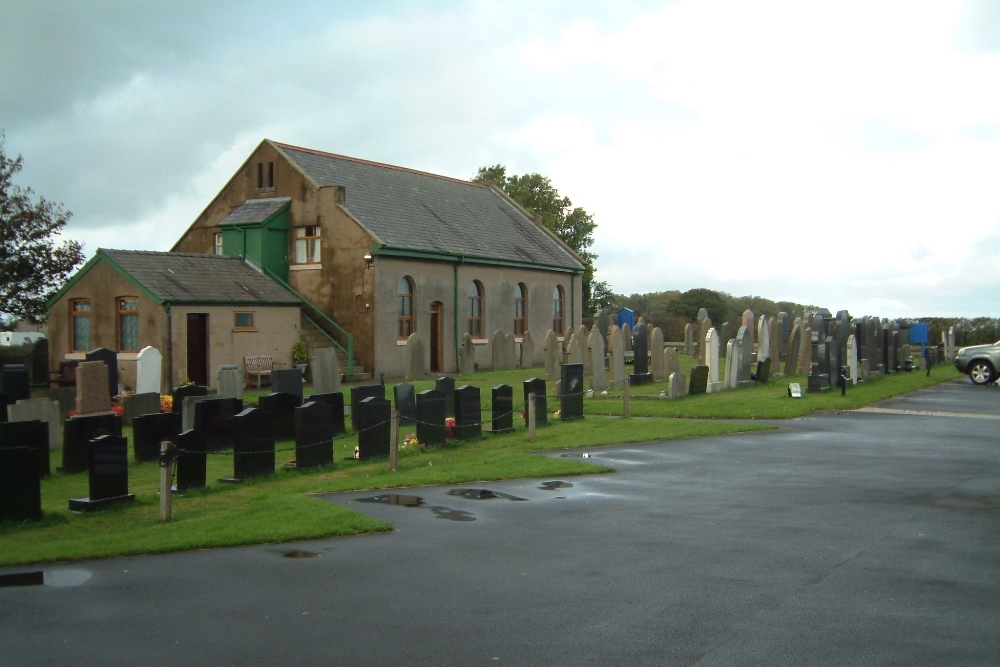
x: 316, y: 339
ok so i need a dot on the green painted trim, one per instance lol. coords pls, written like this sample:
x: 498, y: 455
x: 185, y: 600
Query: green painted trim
x: 85, y: 269
x: 383, y: 251
x: 234, y: 304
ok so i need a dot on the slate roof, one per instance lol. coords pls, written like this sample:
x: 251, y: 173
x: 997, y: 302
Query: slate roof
x: 180, y: 277
x: 414, y: 210
x: 256, y: 210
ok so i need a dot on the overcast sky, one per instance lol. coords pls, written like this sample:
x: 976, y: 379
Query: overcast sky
x: 844, y: 154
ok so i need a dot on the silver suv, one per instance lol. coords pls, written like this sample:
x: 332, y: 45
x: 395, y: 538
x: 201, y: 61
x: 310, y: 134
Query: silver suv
x: 979, y: 362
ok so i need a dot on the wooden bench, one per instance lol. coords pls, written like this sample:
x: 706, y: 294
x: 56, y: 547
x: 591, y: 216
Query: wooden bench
x: 65, y: 376
x: 258, y: 368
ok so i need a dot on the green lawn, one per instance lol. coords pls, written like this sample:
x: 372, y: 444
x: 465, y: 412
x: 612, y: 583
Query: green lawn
x: 279, y: 508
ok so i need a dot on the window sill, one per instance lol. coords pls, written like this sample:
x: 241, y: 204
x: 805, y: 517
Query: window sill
x: 244, y: 331
x: 480, y: 341
x: 305, y: 267
x: 270, y: 189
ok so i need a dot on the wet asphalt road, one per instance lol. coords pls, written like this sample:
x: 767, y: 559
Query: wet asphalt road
x: 865, y: 538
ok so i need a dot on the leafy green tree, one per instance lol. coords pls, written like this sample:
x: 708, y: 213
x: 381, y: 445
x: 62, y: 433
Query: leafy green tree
x: 573, y: 225
x: 688, y: 304
x: 32, y: 265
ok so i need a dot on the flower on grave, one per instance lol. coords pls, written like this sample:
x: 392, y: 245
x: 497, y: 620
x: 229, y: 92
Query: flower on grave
x: 118, y: 410
x: 449, y: 427
x: 557, y: 414
x: 166, y: 403
x: 357, y: 452
x: 410, y: 442
x: 524, y: 413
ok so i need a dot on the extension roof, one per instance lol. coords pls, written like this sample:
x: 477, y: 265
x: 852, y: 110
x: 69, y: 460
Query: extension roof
x: 256, y: 211
x: 410, y: 210
x: 182, y: 278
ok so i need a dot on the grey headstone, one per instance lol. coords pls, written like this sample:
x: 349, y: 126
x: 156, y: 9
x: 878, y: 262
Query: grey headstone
x: 137, y: 405
x: 498, y: 350
x: 553, y: 356
x: 403, y: 397
x: 230, y: 382
x: 413, y: 358
x: 677, y: 385
x: 41, y: 409
x: 599, y: 374
x: 656, y: 353
x: 326, y: 371
x: 527, y: 351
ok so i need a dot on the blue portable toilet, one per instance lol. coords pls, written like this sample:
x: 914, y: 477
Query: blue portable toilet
x: 626, y: 316
x: 919, y: 334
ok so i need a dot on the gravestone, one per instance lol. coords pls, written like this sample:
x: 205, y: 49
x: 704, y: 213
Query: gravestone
x: 376, y: 428
x: 405, y: 401
x: 92, y: 388
x: 689, y: 334
x: 40, y: 361
x: 763, y: 337
x: 571, y: 386
x: 842, y: 329
x: 413, y: 358
x: 640, y: 357
x: 774, y: 350
x: 326, y: 371
x: 763, y: 371
x: 64, y: 396
x: 503, y: 408
x: 148, y: 371
x: 732, y: 361
x: 214, y: 417
x: 817, y: 382
x: 498, y: 351
x: 702, y: 315
x: 656, y: 354
x: 362, y: 392
x: 671, y: 362
x: 712, y: 361
x: 726, y: 334
x: 148, y: 431
x: 784, y: 328
x: 192, y: 464
x: 575, y: 355
x: 852, y: 358
x: 792, y: 356
x: 107, y: 466
x: 135, y: 405
x: 743, y: 350
x: 527, y: 350
x: 805, y: 352
x: 468, y: 413
x: 699, y: 380
x: 430, y: 418
x: 553, y: 356
x: 599, y: 374
x: 749, y: 321
x: 15, y: 381
x: 287, y: 381
x: 536, y: 386
x: 677, y: 385
x: 617, y: 358
x: 627, y: 336
x: 334, y: 401
x: 282, y: 408
x: 254, y: 436
x: 20, y: 484
x: 110, y: 360
x: 178, y: 394
x: 187, y: 410
x: 42, y: 409
x: 603, y: 319
x: 78, y: 431
x: 230, y: 382
x: 446, y: 386
x: 313, y: 435
x: 468, y: 355
x: 33, y: 434
x: 510, y: 343
x: 703, y: 327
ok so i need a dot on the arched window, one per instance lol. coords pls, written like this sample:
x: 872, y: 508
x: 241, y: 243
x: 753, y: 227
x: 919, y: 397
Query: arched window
x: 404, y: 300
x: 519, y: 319
x: 476, y: 309
x: 557, y: 310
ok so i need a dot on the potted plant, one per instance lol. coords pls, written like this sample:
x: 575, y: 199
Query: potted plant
x: 300, y: 356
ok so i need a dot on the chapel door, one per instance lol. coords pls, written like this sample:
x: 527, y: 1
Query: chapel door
x: 197, y: 348
x: 437, y: 347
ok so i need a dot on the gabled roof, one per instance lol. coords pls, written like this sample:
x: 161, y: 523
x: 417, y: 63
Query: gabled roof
x: 256, y: 211
x: 421, y: 212
x: 178, y: 277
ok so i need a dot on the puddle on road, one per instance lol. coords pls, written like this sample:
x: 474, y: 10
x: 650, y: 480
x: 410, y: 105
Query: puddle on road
x: 482, y: 494
x: 416, y: 501
x: 54, y: 578
x: 299, y: 553
x: 552, y: 486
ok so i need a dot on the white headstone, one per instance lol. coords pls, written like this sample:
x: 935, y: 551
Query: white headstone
x: 712, y: 360
x: 656, y: 354
x: 852, y: 357
x: 731, y: 361
x: 148, y: 371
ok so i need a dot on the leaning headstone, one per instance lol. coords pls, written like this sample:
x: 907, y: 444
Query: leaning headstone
x: 446, y: 386
x: 253, y: 444
x: 536, y: 386
x: 403, y: 397
x: 468, y: 355
x: 20, y: 484
x: 376, y: 428
x: 78, y: 431
x: 110, y: 360
x: 192, y: 463
x: 599, y: 374
x: 135, y: 405
x: 325, y: 371
x: 107, y: 465
x: 230, y: 382
x: 689, y: 334
x: 15, y: 381
x: 703, y: 327
x: 33, y: 434
x: 677, y: 385
x: 413, y: 358
x: 510, y: 345
x: 214, y: 417
x: 42, y: 409
x: 282, y: 409
x: 178, y: 394
x: 617, y: 358
x: 359, y: 394
x: 498, y: 350
x: 711, y: 361
x: 468, y: 413
x: 313, y: 435
x: 571, y: 390
x: 287, y: 381
x: 640, y: 357
x: 553, y: 356
x: 527, y: 350
x: 503, y: 408
x: 671, y: 362
x: 335, y: 404
x: 656, y: 353
x: 92, y: 388
x: 699, y: 380
x: 148, y: 371
x: 430, y: 418
x: 792, y: 355
x: 148, y: 431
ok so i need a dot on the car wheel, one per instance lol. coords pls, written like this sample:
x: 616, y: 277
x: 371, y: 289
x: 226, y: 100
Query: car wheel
x: 981, y: 372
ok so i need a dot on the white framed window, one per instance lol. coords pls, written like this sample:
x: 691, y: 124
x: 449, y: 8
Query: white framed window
x: 307, y: 245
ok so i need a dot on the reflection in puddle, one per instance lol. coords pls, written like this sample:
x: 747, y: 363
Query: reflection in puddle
x: 482, y: 494
x: 552, y: 486
x: 416, y: 501
x: 55, y: 578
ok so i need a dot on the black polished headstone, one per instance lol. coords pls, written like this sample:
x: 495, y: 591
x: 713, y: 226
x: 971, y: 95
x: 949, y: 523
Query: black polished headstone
x: 15, y: 381
x: 571, y: 388
x: 253, y: 444
x: 374, y: 420
x: 40, y: 361
x: 20, y: 484
x: 6, y: 400
x: 287, y: 381
x: 698, y: 384
x: 446, y: 386
x: 503, y: 408
x: 313, y: 435
x: 430, y: 418
x: 214, y: 418
x: 763, y: 370
x: 640, y: 350
x: 335, y: 401
x: 192, y: 463
x: 34, y: 433
x: 282, y: 407
x: 536, y: 386
x: 468, y: 413
x: 405, y: 401
x: 107, y: 467
x: 148, y: 431
x: 182, y: 392
x: 79, y: 431
x: 110, y: 359
x: 359, y: 394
